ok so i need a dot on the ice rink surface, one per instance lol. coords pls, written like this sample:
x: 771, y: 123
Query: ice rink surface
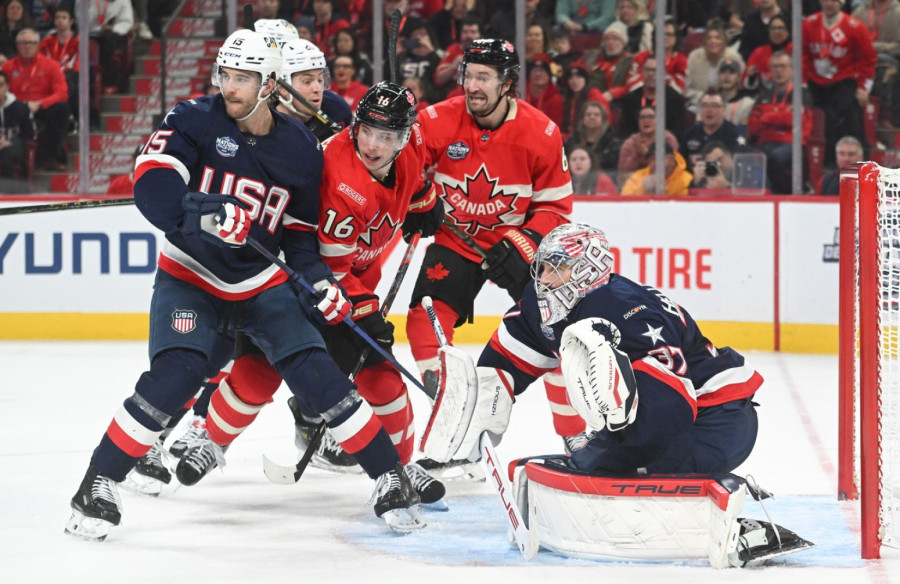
x: 236, y: 526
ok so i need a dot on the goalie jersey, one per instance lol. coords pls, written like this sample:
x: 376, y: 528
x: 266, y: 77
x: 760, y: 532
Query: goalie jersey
x: 678, y: 371
x: 198, y: 147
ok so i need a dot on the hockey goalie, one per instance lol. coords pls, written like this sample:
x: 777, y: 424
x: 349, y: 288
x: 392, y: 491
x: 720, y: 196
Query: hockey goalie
x: 669, y: 416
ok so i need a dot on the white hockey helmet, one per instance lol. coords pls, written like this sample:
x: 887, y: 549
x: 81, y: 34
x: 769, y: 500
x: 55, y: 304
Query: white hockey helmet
x: 571, y: 260
x: 248, y: 50
x: 281, y: 29
x: 302, y: 55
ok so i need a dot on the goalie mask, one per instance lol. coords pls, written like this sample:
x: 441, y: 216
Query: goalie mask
x: 247, y: 50
x: 571, y: 260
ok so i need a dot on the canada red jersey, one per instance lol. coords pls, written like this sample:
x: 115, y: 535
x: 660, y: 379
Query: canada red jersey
x: 513, y: 176
x: 66, y: 54
x: 359, y: 216
x: 842, y: 52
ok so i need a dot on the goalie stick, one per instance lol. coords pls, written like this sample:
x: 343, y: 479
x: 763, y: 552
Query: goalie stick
x: 526, y: 540
x: 288, y: 475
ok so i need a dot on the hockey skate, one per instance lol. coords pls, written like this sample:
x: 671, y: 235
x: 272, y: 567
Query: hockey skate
x: 329, y: 455
x: 150, y: 473
x: 430, y: 490
x: 760, y: 541
x: 397, y: 502
x: 195, y: 431
x: 198, y: 460
x: 96, y: 507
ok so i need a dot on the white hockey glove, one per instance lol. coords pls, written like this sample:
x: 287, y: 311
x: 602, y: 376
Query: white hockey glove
x: 331, y: 302
x: 599, y: 380
x: 470, y: 400
x: 232, y: 224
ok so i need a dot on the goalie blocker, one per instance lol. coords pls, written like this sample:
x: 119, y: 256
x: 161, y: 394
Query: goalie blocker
x: 653, y: 518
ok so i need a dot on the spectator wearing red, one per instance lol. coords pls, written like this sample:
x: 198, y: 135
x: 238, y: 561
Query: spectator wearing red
x: 344, y: 81
x: 537, y: 41
x: 839, y: 67
x: 574, y: 85
x: 771, y: 123
x: 61, y: 45
x: 326, y: 25
x: 756, y: 76
x: 425, y: 9
x: 39, y: 82
x: 448, y: 67
x: 540, y: 90
x: 586, y: 178
x: 757, y: 27
x: 676, y: 61
x: 445, y: 24
x: 611, y: 68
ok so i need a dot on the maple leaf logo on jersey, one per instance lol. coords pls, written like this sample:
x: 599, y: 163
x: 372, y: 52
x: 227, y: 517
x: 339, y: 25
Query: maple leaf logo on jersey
x: 437, y: 272
x: 478, y: 203
x: 375, y: 237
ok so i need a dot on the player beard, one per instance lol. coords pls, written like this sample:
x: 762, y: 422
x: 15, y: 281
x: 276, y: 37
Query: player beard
x: 479, y: 103
x: 238, y: 108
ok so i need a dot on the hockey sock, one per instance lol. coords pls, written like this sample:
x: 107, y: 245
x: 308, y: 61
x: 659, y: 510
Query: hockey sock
x: 383, y: 388
x: 240, y: 397
x: 423, y: 343
x: 361, y: 435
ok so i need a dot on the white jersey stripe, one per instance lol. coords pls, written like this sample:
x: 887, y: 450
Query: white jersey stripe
x: 523, y: 352
x: 167, y: 160
x: 248, y: 285
x: 134, y: 429
x: 732, y: 376
x: 350, y: 427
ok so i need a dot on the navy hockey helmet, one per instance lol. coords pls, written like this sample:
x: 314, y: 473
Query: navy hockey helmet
x: 387, y: 106
x: 496, y: 53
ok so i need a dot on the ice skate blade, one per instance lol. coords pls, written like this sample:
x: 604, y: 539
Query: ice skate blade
x: 438, y: 506
x: 142, y: 485
x: 322, y: 463
x: 87, y: 528
x: 404, y: 520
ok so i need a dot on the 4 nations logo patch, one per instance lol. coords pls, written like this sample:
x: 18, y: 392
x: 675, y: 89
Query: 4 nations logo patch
x: 184, y: 321
x: 457, y: 151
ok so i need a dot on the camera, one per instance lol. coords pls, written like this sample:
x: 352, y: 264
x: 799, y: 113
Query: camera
x: 410, y: 43
x: 712, y: 168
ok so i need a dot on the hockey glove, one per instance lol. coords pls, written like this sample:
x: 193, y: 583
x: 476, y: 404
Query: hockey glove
x: 331, y: 302
x: 219, y: 219
x: 508, y: 262
x: 425, y: 222
x: 381, y: 331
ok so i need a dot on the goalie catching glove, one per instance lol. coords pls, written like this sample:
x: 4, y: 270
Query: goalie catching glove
x: 599, y: 379
x: 470, y: 400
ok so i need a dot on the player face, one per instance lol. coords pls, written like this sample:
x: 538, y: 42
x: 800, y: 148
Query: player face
x: 240, y: 90
x: 377, y: 148
x: 553, y: 276
x: 483, y: 88
x: 311, y: 85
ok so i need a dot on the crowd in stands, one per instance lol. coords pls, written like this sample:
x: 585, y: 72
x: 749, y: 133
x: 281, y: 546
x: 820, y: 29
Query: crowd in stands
x: 591, y: 68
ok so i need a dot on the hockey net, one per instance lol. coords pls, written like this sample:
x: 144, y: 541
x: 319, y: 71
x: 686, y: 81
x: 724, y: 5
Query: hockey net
x: 869, y: 415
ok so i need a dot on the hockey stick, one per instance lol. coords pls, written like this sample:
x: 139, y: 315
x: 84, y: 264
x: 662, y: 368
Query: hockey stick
x: 248, y: 16
x: 65, y: 206
x: 467, y: 239
x: 319, y: 114
x: 295, y: 277
x: 393, y: 33
x: 288, y: 475
x: 526, y: 539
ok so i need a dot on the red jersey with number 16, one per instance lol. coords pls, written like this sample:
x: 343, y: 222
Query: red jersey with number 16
x: 513, y: 176
x: 359, y: 215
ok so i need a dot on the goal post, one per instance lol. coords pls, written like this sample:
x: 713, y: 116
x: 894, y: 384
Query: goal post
x: 869, y: 359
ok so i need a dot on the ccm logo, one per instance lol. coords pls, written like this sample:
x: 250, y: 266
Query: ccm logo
x: 651, y: 489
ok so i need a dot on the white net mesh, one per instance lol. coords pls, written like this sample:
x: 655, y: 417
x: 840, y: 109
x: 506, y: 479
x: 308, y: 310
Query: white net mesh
x: 889, y: 351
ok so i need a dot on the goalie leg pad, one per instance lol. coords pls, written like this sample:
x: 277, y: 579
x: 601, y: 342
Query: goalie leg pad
x: 453, y: 407
x: 599, y: 379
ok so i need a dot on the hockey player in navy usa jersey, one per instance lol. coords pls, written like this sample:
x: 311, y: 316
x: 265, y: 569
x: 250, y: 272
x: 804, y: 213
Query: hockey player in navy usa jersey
x: 220, y: 169
x: 656, y: 395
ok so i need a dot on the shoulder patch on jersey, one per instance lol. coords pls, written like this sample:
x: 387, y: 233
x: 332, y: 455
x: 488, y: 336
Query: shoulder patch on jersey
x: 549, y: 129
x: 226, y: 146
x: 432, y: 113
x: 458, y: 150
x: 184, y: 321
x: 347, y: 190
